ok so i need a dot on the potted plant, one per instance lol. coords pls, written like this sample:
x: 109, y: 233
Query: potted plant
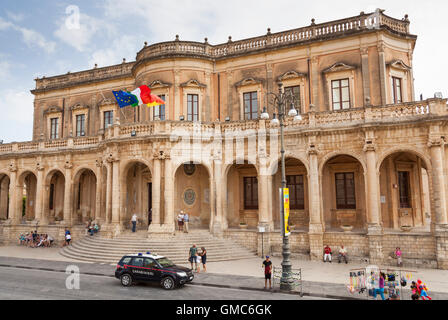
x: 406, y: 228
x: 243, y: 225
x: 347, y: 227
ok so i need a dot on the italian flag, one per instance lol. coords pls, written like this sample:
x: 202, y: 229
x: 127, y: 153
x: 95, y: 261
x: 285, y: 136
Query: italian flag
x: 144, y: 96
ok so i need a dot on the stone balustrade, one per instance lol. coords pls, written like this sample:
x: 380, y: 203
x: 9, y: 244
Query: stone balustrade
x: 375, y: 115
x: 207, y: 51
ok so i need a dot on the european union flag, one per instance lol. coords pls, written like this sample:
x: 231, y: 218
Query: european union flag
x: 125, y: 99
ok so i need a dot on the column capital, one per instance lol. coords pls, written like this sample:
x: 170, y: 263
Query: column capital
x: 40, y: 167
x: 435, y: 141
x: 312, y: 149
x: 12, y: 167
x: 369, y: 146
x: 68, y: 165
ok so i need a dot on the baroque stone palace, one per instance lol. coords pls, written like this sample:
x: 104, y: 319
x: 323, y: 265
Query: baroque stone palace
x: 365, y: 156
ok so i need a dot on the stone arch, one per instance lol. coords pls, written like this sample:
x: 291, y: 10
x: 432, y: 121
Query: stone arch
x: 5, y: 182
x: 54, y: 192
x: 419, y: 153
x: 84, y: 197
x: 136, y: 191
x: 335, y: 154
x: 405, y: 184
x: 227, y: 166
x: 343, y: 189
x: 288, y: 154
x: 297, y: 176
x: 27, y: 184
x: 236, y: 209
x: 193, y: 188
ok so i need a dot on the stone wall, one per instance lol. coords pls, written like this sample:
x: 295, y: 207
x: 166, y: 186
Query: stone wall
x: 356, y: 243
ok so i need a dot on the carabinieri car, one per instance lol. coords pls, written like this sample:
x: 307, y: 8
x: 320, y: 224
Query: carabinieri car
x: 141, y: 267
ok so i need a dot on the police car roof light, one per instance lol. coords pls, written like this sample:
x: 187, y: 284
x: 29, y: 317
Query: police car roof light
x: 140, y: 254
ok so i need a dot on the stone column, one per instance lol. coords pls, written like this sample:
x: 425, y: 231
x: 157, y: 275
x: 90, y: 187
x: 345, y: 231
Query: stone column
x: 4, y: 189
x: 156, y: 184
x: 68, y: 195
x: 39, y: 213
x: 169, y: 197
x: 440, y: 226
x: 374, y: 229
x: 15, y: 212
x: 99, y: 191
x: 109, y: 193
x: 316, y: 236
x: 263, y: 214
x: 365, y: 73
x: 218, y: 225
x: 116, y: 193
x: 382, y: 68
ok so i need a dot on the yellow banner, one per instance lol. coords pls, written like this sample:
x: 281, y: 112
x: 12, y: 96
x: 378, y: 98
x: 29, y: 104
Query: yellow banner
x: 286, y: 211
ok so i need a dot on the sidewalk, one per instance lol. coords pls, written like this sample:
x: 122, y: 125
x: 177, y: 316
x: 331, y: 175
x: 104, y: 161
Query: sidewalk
x: 319, y: 279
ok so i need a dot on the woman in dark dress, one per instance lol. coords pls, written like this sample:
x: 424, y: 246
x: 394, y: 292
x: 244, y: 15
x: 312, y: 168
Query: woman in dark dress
x: 204, y: 258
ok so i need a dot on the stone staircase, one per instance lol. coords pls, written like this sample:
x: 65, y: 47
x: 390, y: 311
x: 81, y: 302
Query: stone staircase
x: 175, y: 247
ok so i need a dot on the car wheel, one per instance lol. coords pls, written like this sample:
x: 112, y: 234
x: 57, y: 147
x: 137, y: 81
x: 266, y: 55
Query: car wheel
x: 126, y: 280
x: 168, y: 283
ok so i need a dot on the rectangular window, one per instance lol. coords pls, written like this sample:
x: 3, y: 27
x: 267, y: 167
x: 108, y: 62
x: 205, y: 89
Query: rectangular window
x: 341, y: 94
x: 54, y: 132
x: 108, y: 119
x: 396, y: 82
x: 404, y: 189
x: 250, y: 105
x: 345, y: 190
x: 295, y: 91
x: 81, y: 125
x: 250, y: 193
x: 193, y: 107
x: 159, y: 111
x: 296, y: 192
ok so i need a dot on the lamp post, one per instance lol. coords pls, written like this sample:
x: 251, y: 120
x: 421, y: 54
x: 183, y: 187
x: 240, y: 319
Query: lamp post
x: 281, y: 99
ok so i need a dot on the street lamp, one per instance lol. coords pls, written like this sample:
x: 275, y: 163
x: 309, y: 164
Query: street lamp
x: 281, y: 100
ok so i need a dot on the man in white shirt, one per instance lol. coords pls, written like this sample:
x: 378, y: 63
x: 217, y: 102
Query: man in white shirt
x: 180, y: 220
x: 134, y: 222
x: 186, y: 220
x: 342, y: 254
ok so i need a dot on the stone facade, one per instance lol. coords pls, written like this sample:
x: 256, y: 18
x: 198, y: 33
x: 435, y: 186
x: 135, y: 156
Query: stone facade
x: 365, y: 154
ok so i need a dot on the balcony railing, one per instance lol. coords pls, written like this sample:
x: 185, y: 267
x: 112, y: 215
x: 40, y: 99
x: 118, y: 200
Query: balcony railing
x: 378, y: 115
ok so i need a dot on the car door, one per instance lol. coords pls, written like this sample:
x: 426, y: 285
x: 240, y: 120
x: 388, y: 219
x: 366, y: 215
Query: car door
x: 152, y: 267
x: 137, y: 269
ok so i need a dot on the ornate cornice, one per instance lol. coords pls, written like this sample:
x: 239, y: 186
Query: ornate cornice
x: 53, y: 109
x: 399, y: 64
x: 248, y: 82
x: 339, y: 66
x: 193, y: 83
x: 160, y: 84
x: 291, y: 75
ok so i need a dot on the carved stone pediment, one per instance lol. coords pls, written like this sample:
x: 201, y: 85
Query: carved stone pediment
x: 79, y: 106
x: 248, y: 82
x: 291, y: 75
x: 193, y: 83
x: 106, y: 102
x: 339, y: 66
x: 53, y: 109
x: 399, y: 64
x: 159, y: 84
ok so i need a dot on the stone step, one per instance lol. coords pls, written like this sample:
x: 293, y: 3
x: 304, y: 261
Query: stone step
x: 175, y: 247
x: 118, y: 254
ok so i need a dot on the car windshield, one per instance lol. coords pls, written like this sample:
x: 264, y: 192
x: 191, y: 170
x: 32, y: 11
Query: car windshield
x: 164, y: 262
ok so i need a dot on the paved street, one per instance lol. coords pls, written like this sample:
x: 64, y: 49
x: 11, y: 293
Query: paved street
x: 20, y: 284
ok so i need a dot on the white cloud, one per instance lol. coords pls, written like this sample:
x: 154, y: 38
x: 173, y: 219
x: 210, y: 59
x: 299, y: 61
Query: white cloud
x: 122, y: 47
x: 17, y: 115
x: 16, y: 17
x: 81, y: 38
x: 30, y: 37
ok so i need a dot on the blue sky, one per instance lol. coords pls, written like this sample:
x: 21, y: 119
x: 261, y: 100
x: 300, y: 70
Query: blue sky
x: 35, y: 40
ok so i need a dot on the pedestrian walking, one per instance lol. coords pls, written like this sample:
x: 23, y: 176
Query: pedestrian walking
x: 204, y: 258
x: 342, y: 254
x: 134, y: 222
x: 398, y: 255
x: 180, y: 220
x: 267, y: 265
x: 380, y: 288
x: 192, y: 258
x: 186, y: 220
x: 327, y: 254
